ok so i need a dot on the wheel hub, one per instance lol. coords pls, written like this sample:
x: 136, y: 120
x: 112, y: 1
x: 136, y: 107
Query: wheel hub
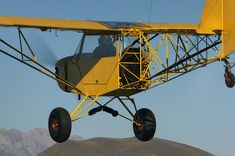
x: 55, y: 125
x: 59, y: 124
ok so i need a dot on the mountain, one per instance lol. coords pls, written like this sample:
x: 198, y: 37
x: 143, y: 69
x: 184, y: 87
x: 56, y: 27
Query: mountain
x: 122, y: 147
x: 16, y: 143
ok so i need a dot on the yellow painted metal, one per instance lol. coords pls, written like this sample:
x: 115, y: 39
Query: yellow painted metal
x: 93, y: 26
x: 228, y: 39
x: 72, y: 115
x: 140, y: 59
x: 98, y: 76
x: 211, y: 17
x: 190, y: 28
x: 93, y: 76
x: 80, y: 116
x: 45, y: 23
x: 167, y: 50
x: 218, y: 15
x: 101, y: 76
x: 88, y: 105
x: 129, y: 71
x: 77, y: 111
x: 163, y: 77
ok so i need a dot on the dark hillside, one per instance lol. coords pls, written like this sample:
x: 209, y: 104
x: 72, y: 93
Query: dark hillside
x: 122, y: 147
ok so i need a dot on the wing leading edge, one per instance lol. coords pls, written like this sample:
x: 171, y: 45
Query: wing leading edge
x: 98, y: 26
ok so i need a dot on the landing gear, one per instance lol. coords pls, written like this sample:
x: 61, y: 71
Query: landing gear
x: 59, y: 125
x: 60, y: 121
x: 228, y: 75
x: 229, y: 79
x: 145, y: 124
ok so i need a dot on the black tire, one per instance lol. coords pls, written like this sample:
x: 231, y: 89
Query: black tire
x: 146, y: 130
x: 229, y: 79
x: 59, y: 125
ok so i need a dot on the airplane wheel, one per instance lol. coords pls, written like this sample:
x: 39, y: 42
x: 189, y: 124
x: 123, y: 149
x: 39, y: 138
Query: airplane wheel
x: 229, y: 79
x: 59, y: 125
x: 146, y: 130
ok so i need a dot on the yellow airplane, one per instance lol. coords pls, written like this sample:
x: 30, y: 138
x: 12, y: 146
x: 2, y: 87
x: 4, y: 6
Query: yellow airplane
x: 120, y: 59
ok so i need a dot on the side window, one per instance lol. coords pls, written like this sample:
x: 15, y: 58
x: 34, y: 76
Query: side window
x: 106, y: 46
x: 90, y: 43
x: 97, y: 46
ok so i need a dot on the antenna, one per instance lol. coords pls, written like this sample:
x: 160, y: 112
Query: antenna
x: 150, y: 11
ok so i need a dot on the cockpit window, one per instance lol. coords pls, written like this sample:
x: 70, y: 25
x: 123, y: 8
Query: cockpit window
x: 97, y: 46
x: 89, y: 43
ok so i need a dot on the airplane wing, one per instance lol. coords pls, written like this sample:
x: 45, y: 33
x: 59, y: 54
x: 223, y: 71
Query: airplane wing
x: 98, y: 26
x: 46, y: 23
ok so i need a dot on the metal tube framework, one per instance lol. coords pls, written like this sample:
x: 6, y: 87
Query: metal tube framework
x: 164, y: 57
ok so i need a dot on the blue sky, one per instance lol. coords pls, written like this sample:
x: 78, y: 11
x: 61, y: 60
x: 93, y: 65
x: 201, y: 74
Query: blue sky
x: 196, y: 109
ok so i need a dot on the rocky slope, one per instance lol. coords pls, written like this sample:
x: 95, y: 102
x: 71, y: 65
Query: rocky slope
x: 16, y: 143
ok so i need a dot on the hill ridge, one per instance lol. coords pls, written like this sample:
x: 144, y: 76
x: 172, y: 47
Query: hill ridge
x: 101, y: 146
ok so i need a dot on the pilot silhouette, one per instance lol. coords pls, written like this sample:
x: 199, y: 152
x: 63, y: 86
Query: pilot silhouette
x: 105, y: 47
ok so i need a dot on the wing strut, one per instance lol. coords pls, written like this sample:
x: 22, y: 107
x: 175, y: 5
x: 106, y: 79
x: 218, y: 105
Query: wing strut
x: 34, y: 63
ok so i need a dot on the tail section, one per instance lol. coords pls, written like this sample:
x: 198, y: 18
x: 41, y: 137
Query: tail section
x: 228, y: 27
x: 212, y: 16
x: 219, y: 16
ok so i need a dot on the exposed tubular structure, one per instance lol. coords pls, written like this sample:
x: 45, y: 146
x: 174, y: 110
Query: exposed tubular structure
x: 77, y: 113
x: 160, y: 58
